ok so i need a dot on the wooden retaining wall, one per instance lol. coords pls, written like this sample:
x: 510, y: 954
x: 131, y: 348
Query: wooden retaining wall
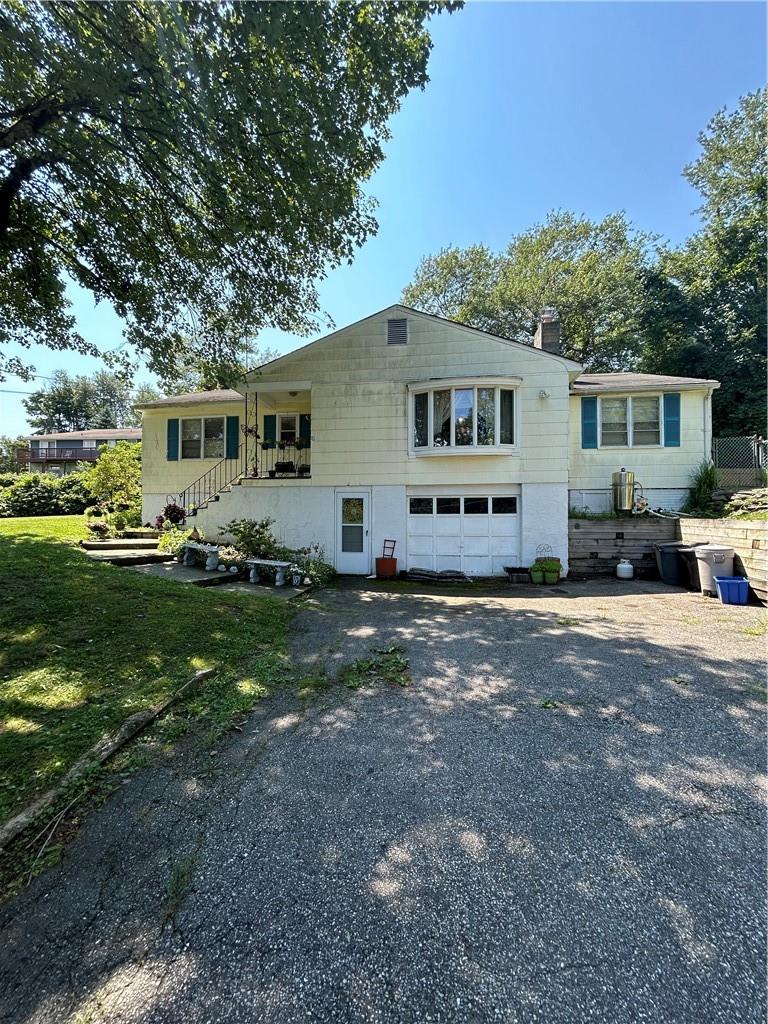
x: 595, y: 546
x: 748, y: 538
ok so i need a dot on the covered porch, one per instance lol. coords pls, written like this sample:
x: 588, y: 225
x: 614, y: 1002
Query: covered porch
x: 278, y: 430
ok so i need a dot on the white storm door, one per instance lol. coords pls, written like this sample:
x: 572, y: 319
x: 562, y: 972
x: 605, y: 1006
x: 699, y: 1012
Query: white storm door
x: 353, y: 553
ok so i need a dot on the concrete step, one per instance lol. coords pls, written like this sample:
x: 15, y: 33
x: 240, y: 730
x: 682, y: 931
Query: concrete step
x: 121, y: 544
x: 126, y: 557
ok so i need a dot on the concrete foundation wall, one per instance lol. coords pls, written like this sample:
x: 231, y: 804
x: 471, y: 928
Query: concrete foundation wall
x: 544, y: 511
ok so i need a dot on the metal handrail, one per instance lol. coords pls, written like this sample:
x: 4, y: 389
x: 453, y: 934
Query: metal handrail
x: 209, y: 485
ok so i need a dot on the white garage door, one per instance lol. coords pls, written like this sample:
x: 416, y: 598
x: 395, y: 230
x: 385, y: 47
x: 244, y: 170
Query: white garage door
x: 476, y: 534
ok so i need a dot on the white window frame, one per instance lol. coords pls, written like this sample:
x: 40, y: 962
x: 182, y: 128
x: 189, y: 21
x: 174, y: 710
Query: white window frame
x: 630, y: 427
x: 455, y: 384
x: 279, y: 430
x: 89, y: 446
x: 202, y: 457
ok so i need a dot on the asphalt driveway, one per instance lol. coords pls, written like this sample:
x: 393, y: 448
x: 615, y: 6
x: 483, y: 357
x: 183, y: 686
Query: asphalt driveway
x: 560, y: 819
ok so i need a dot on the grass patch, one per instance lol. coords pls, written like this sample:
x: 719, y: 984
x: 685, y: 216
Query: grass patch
x: 567, y: 621
x: 177, y: 887
x: 759, y: 629
x: 548, y: 704
x: 386, y: 664
x: 84, y: 644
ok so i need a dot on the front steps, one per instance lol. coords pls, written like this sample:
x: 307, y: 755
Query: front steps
x: 126, y: 551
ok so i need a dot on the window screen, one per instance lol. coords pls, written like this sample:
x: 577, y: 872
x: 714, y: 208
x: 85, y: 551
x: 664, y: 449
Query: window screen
x: 613, y: 430
x: 191, y: 434
x: 646, y: 427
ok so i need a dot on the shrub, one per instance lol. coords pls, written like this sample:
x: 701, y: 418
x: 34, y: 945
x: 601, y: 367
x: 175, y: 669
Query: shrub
x: 100, y: 528
x: 7, y: 479
x: 35, y: 494
x: 255, y: 537
x: 704, y: 482
x: 172, y: 513
x: 116, y: 475
x: 230, y: 556
x: 173, y: 539
x: 548, y: 564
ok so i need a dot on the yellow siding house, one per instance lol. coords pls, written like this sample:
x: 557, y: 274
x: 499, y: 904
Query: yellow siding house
x: 460, y: 446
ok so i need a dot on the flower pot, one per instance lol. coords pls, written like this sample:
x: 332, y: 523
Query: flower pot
x: 386, y: 568
x: 537, y: 576
x: 272, y: 473
x: 551, y: 577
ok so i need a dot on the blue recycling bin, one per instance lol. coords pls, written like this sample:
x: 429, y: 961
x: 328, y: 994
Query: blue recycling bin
x: 732, y: 589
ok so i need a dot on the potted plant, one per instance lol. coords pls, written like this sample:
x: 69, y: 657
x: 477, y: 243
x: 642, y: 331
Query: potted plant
x: 550, y: 567
x: 537, y: 573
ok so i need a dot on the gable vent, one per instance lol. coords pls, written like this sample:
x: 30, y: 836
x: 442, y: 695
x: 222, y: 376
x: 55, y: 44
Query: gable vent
x: 397, y: 332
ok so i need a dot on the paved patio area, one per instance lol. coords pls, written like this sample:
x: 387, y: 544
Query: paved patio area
x: 561, y: 819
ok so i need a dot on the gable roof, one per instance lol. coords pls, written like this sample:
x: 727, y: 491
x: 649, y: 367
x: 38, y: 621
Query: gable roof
x: 409, y: 311
x: 193, y: 398
x: 593, y: 383
x: 107, y: 434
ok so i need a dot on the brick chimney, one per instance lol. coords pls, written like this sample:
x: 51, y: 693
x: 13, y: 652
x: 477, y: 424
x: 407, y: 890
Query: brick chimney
x: 547, y: 336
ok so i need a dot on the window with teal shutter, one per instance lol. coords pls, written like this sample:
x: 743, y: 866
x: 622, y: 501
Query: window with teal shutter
x: 233, y: 437
x: 589, y: 422
x: 172, y: 436
x: 672, y: 420
x: 270, y: 430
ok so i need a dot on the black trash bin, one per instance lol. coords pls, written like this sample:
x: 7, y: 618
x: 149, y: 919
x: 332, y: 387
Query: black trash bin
x: 669, y: 563
x: 690, y: 564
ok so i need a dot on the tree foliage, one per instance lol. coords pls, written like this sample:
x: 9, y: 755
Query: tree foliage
x: 626, y: 302
x: 115, y: 477
x: 190, y: 160
x: 9, y: 446
x: 591, y: 272
x: 83, y: 403
x: 719, y: 276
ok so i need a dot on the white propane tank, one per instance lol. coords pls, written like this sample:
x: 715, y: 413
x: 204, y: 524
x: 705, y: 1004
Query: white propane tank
x: 625, y: 570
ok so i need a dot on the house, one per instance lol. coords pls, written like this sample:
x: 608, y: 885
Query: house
x: 465, y: 448
x: 61, y: 453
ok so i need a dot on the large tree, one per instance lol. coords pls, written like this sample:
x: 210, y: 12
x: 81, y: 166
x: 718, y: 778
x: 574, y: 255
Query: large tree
x: 70, y: 402
x: 591, y: 272
x: 718, y: 279
x: 193, y: 159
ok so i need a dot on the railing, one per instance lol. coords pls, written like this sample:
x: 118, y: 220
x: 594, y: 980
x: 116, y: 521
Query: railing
x: 275, y: 460
x: 208, y: 486
x: 25, y: 455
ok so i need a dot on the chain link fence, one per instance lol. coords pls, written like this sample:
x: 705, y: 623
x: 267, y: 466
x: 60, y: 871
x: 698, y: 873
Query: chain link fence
x: 741, y: 461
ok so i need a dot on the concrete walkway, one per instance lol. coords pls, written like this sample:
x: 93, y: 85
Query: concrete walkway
x: 560, y: 820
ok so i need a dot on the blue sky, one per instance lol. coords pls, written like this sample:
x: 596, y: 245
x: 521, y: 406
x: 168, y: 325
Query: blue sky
x: 590, y: 107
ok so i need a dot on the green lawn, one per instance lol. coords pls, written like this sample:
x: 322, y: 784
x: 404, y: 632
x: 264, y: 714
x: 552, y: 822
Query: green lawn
x: 84, y: 644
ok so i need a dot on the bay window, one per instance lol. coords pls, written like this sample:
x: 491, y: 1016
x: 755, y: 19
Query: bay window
x: 464, y: 416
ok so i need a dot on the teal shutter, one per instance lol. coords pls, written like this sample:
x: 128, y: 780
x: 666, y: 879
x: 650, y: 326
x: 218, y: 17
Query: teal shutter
x: 589, y: 423
x: 233, y: 437
x: 672, y: 420
x: 270, y: 429
x: 305, y: 427
x: 172, y: 447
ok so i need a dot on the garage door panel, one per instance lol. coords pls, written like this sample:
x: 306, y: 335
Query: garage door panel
x: 477, y: 544
x: 418, y: 545
x: 476, y: 526
x: 476, y: 566
x: 448, y: 526
x: 420, y: 526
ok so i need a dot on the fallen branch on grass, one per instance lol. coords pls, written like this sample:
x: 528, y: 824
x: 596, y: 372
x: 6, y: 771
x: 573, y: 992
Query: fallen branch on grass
x: 106, y: 747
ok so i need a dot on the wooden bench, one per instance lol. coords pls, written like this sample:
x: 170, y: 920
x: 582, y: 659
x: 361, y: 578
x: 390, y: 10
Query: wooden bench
x: 211, y: 552
x: 279, y: 568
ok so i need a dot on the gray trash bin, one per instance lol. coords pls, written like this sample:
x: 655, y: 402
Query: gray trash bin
x: 669, y: 563
x: 714, y: 560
